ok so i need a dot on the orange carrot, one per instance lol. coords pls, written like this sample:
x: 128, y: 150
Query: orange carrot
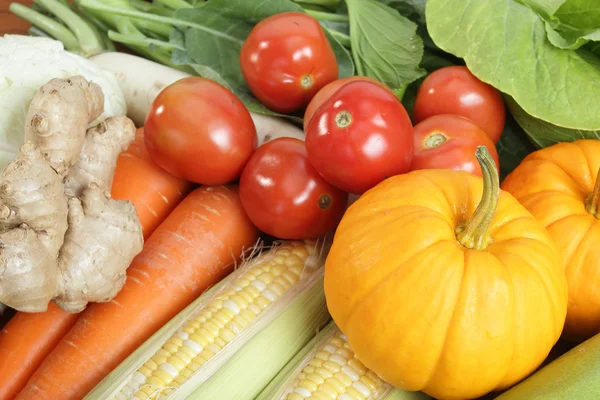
x: 191, y: 250
x: 24, y: 343
x: 29, y: 337
x: 153, y: 191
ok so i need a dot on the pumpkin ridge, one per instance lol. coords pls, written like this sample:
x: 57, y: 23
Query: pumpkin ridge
x: 579, y: 265
x: 550, y: 192
x: 515, y: 322
x: 563, y: 219
x: 450, y: 321
x: 388, y: 276
x: 550, y: 159
x: 425, y: 174
x: 544, y: 279
x: 587, y: 159
x: 497, y: 228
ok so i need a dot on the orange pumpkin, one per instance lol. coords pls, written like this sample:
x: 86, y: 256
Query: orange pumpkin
x: 437, y: 295
x: 556, y: 185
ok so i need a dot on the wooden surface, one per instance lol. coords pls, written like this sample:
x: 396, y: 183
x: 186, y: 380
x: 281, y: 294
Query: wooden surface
x: 10, y: 23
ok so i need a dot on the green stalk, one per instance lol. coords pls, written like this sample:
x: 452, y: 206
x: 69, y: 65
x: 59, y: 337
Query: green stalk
x: 324, y: 16
x: 593, y: 201
x: 145, y: 42
x: 144, y: 6
x: 89, y: 42
x: 33, y: 31
x: 100, y: 30
x: 175, y: 4
x: 95, y: 5
x: 109, y: 12
x: 341, y: 37
x: 325, y: 3
x: 474, y: 233
x: 48, y: 25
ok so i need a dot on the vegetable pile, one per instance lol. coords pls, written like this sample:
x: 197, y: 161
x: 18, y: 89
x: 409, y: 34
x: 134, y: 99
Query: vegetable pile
x: 357, y: 199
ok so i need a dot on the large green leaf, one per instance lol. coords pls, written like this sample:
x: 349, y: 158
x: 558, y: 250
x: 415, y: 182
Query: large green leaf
x: 385, y: 45
x: 504, y: 43
x: 544, y: 134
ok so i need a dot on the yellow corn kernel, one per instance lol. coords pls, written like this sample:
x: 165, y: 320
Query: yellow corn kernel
x: 308, y: 385
x: 334, y: 372
x: 170, y: 348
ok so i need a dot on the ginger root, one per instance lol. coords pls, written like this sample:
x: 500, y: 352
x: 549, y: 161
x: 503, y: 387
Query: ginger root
x: 62, y: 237
x: 58, y: 117
x: 104, y: 142
x: 102, y: 235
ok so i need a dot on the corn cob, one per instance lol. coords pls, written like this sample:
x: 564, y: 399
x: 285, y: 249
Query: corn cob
x: 199, y: 342
x: 328, y: 369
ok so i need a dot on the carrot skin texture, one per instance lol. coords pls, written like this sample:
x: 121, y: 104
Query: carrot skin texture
x: 192, y: 249
x: 153, y: 191
x: 28, y: 338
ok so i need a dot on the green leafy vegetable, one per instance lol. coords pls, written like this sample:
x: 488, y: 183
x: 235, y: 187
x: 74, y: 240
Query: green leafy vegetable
x: 385, y: 45
x: 579, y: 14
x: 504, y: 43
x: 570, y: 40
x: 544, y: 134
x: 433, y: 56
x: 545, y: 8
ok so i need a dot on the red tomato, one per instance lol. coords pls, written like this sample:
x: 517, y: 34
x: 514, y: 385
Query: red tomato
x: 330, y: 89
x: 449, y: 142
x: 361, y: 135
x: 285, y: 197
x: 199, y: 131
x: 455, y: 90
x: 286, y: 59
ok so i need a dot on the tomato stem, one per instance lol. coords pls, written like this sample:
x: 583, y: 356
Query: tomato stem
x: 593, y: 201
x: 343, y: 119
x: 435, y: 140
x: 306, y: 81
x: 474, y: 233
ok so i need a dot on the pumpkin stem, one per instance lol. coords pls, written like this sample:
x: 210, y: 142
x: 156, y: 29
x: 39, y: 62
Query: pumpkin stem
x: 593, y: 201
x: 474, y: 233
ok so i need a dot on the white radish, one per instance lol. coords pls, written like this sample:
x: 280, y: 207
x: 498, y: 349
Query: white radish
x: 141, y: 80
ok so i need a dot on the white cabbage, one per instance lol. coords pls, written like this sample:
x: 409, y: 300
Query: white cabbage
x: 27, y: 63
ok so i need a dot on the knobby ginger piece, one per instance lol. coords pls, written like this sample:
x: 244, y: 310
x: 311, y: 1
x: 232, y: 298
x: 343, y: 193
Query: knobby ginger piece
x: 33, y: 218
x: 62, y: 237
x: 58, y: 117
x: 104, y: 236
x: 98, y: 160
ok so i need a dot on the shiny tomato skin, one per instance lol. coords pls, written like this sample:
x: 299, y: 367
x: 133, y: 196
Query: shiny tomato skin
x: 329, y: 89
x: 360, y: 136
x: 449, y: 142
x: 285, y: 197
x: 286, y: 59
x: 198, y: 130
x: 455, y: 90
